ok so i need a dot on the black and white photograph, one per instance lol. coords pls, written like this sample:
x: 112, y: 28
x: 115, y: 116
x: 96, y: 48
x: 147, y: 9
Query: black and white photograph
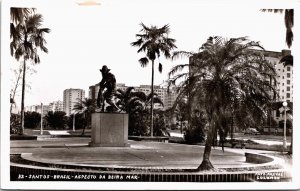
x: 149, y: 94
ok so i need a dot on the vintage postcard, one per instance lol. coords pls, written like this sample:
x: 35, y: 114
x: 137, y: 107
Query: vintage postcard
x: 140, y: 94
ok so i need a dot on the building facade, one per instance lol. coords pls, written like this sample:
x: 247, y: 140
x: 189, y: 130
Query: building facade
x: 38, y: 109
x: 167, y: 98
x: 56, y: 106
x: 71, y: 97
x: 284, y: 78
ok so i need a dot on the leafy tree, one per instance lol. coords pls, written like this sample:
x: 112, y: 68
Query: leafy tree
x: 86, y: 106
x: 154, y: 41
x: 225, y: 75
x: 26, y: 38
x: 57, y: 119
x: 32, y: 119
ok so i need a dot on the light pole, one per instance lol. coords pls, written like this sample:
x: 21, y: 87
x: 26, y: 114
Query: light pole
x: 284, y: 126
x: 41, y: 118
x: 74, y: 121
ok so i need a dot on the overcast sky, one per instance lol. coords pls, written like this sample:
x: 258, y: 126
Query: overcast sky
x: 83, y: 38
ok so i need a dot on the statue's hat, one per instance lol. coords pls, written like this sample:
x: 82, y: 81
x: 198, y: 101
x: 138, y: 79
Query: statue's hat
x: 104, y: 69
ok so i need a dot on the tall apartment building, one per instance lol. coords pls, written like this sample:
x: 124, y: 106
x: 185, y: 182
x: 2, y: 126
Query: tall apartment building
x: 284, y: 79
x: 71, y: 97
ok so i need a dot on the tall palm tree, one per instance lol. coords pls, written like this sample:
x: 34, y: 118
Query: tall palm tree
x: 86, y: 106
x: 225, y: 75
x: 288, y: 21
x: 27, y: 38
x: 154, y: 41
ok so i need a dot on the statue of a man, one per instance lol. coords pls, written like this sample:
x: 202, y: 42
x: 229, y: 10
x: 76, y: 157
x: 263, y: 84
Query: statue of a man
x: 108, y: 82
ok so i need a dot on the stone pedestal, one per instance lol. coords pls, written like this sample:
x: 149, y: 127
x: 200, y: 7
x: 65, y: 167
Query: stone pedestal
x: 109, y: 130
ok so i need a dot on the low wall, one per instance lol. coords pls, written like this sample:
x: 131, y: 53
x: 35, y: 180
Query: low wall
x: 31, y: 173
x: 257, y: 158
x: 144, y: 138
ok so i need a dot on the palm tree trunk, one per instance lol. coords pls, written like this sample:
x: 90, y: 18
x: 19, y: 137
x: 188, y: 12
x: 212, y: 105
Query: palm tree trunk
x: 21, y: 130
x: 231, y: 128
x: 206, y: 164
x: 152, y: 81
x: 83, y: 130
x: 15, y: 89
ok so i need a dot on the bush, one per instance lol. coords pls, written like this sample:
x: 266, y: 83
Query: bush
x: 138, y: 123
x: 195, y: 134
x: 57, y: 119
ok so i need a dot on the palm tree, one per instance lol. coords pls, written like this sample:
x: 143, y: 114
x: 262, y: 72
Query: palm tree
x: 154, y: 41
x: 136, y: 104
x: 225, y: 75
x: 27, y: 37
x: 288, y: 21
x: 86, y: 106
x: 19, y: 14
x: 287, y: 60
x: 130, y: 101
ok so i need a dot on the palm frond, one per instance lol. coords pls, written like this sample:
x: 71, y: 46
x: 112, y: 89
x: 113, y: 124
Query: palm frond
x: 181, y: 54
x: 160, y: 67
x: 144, y: 61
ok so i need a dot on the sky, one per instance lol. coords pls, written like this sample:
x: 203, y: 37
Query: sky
x: 83, y: 38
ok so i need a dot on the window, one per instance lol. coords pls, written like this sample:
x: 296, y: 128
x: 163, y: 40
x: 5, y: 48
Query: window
x: 282, y: 84
x: 288, y: 68
x: 277, y: 113
x: 282, y: 90
x: 288, y: 75
x: 282, y: 77
x: 288, y: 88
x: 288, y: 81
x: 288, y: 95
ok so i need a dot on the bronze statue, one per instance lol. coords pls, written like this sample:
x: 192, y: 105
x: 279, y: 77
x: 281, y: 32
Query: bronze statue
x: 108, y: 82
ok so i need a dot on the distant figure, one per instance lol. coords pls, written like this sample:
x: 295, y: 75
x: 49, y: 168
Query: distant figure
x: 108, y: 82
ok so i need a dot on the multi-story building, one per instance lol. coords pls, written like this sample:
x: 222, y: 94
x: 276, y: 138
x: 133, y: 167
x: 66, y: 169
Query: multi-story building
x: 56, y: 106
x: 284, y: 79
x: 283, y: 84
x: 38, y: 109
x: 169, y: 97
x: 71, y: 97
x: 161, y: 92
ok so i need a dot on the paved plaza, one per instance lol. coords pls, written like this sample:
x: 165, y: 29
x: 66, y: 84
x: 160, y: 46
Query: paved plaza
x: 75, y: 151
